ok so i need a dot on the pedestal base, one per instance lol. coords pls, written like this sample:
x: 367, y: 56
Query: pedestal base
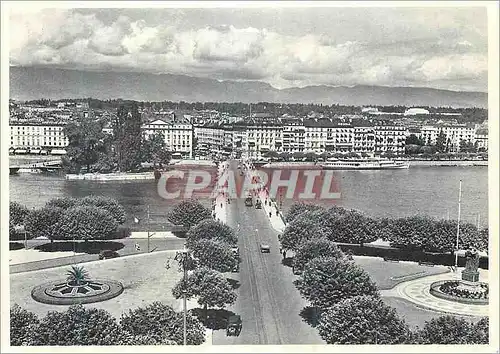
x: 470, y: 276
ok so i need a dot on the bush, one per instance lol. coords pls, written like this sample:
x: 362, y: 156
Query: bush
x: 326, y: 281
x: 109, y: 204
x: 161, y: 322
x: 78, y: 326
x: 210, y: 230
x: 23, y: 324
x: 189, y: 213
x: 85, y: 223
x: 363, y: 320
x: 42, y: 222
x: 315, y: 248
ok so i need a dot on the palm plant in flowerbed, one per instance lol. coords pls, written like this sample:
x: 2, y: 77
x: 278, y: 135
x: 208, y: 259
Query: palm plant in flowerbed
x: 77, y: 276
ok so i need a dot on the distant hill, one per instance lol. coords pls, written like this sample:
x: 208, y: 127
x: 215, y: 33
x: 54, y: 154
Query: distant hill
x: 28, y: 83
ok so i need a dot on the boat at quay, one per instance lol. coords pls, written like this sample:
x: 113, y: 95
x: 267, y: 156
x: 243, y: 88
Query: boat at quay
x: 364, y: 164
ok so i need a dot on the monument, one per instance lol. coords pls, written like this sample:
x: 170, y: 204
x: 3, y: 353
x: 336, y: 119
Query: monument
x: 471, y: 273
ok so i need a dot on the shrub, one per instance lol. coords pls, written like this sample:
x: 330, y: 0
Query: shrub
x: 209, y: 230
x: 298, y: 208
x: 64, y: 203
x: 161, y: 322
x: 326, y: 281
x: 363, y: 320
x: 78, y: 326
x: 85, y: 223
x: 22, y: 325
x: 189, y: 213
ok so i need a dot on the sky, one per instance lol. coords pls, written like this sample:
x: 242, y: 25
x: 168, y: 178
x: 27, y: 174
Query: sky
x: 445, y: 48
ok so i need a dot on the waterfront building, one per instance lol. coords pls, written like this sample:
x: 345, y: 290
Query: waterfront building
x: 33, y: 137
x: 481, y: 139
x: 456, y: 133
x: 390, y: 139
x: 177, y: 131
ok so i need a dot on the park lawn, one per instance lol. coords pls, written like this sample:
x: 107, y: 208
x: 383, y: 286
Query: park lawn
x: 388, y: 274
x: 145, y: 279
x: 416, y: 316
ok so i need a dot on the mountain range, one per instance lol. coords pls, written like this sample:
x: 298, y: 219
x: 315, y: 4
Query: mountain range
x: 27, y: 83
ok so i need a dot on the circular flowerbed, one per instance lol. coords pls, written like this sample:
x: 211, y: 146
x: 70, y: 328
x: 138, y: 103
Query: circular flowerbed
x: 69, y: 293
x: 461, y: 291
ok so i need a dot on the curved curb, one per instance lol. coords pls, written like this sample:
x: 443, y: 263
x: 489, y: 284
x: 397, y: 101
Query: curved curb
x: 435, y: 291
x: 39, y: 294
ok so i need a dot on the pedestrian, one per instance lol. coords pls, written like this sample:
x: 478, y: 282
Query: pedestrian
x: 137, y: 247
x: 284, y: 254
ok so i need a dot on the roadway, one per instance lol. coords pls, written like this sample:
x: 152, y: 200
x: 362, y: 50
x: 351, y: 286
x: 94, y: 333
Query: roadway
x: 268, y: 302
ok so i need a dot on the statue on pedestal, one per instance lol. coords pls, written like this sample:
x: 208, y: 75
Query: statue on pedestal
x: 471, y: 272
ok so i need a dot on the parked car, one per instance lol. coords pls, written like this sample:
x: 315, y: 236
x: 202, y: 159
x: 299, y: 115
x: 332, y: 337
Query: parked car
x: 248, y: 201
x: 106, y: 254
x: 258, y: 204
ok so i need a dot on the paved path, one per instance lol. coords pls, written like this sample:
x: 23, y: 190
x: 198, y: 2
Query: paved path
x: 417, y: 292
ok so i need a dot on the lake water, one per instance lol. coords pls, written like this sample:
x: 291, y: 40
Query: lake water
x: 418, y: 190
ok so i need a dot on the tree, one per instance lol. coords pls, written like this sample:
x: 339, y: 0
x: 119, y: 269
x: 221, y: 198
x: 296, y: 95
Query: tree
x: 85, y: 223
x: 17, y: 217
x: 127, y: 135
x: 326, y: 281
x: 85, y: 142
x: 441, y: 143
x: 160, y: 322
x: 77, y: 275
x: 189, y: 213
x: 22, y: 325
x: 77, y: 326
x: 154, y: 150
x: 466, y: 146
x: 352, y: 227
x: 412, y: 139
x: 412, y: 149
x: 479, y: 333
x: 315, y: 248
x: 209, y: 286
x: 448, y: 330
x: 210, y: 229
x: 300, y: 230
x: 363, y: 320
x: 214, y: 254
x: 109, y: 204
x: 41, y: 222
x: 64, y: 203
x: 298, y: 208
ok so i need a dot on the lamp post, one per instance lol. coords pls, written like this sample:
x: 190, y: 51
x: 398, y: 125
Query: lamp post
x: 182, y: 258
x: 458, y: 224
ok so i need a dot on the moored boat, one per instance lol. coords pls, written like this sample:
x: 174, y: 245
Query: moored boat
x: 364, y: 164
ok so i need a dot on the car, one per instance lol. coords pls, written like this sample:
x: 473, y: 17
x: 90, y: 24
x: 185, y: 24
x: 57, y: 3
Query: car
x: 236, y: 251
x: 258, y: 204
x: 265, y: 248
x: 107, y: 254
x: 233, y: 325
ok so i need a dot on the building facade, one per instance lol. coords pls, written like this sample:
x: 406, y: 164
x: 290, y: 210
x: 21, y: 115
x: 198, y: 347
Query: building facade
x: 33, y: 137
x: 177, y: 132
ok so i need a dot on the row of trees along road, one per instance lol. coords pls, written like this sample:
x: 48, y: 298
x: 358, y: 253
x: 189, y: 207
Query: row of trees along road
x: 415, y: 233
x: 154, y: 324
x: 93, y: 150
x: 210, y: 245
x: 88, y: 218
x: 348, y: 309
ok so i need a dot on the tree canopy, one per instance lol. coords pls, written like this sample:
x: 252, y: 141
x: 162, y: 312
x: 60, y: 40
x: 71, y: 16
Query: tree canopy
x: 189, y: 213
x: 363, y: 320
x: 215, y: 254
x: 210, y: 229
x: 315, y: 248
x: 453, y: 330
x: 326, y: 281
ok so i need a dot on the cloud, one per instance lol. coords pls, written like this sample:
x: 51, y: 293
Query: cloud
x: 412, y: 50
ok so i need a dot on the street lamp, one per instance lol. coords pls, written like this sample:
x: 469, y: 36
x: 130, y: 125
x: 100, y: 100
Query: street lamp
x: 182, y: 257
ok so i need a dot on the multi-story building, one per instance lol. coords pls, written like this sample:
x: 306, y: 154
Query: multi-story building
x: 34, y: 137
x: 210, y: 137
x: 263, y: 135
x: 364, y: 138
x: 177, y: 131
x: 481, y: 139
x: 390, y: 139
x: 456, y: 133
x: 428, y: 134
